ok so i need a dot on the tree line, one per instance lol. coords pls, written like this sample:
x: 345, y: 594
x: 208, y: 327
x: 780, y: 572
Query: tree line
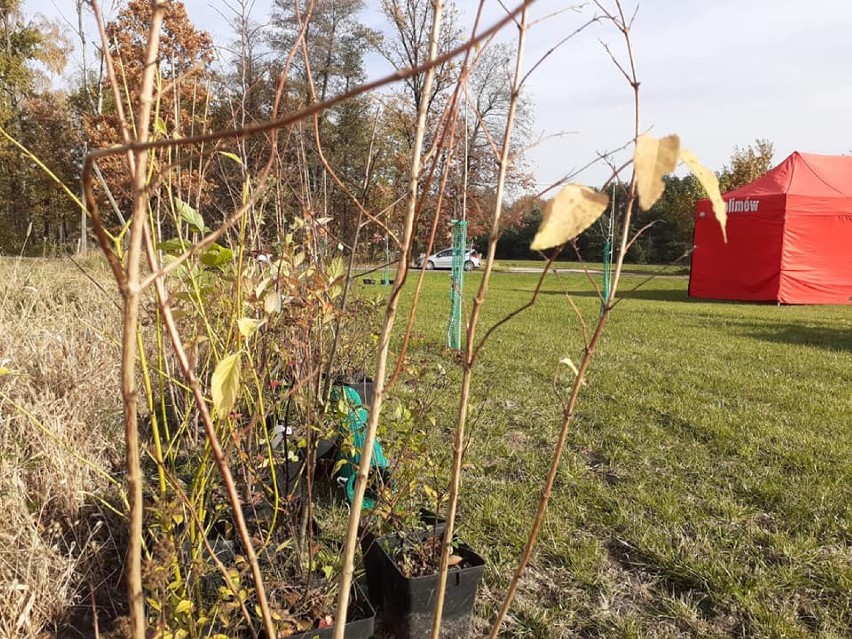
x: 348, y: 168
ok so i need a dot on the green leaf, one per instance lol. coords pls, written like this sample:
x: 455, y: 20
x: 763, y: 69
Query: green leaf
x: 174, y: 245
x: 216, y: 255
x: 710, y: 183
x: 652, y: 159
x: 574, y: 209
x: 248, y: 326
x: 160, y: 126
x: 231, y: 156
x: 190, y: 216
x: 225, y: 384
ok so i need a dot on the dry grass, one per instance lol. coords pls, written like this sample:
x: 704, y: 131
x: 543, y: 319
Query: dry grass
x: 59, y: 440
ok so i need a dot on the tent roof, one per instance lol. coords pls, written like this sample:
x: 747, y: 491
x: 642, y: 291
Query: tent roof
x: 803, y: 174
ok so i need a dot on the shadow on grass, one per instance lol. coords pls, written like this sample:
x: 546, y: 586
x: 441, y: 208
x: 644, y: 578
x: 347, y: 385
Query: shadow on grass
x: 650, y: 294
x: 832, y: 338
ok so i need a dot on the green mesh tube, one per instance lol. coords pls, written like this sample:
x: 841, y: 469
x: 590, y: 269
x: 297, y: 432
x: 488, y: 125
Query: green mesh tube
x: 457, y: 284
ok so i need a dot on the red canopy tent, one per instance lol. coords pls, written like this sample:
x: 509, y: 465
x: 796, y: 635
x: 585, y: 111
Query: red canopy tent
x: 789, y: 237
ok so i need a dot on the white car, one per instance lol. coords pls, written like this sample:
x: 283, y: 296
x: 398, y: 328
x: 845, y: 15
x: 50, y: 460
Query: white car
x: 444, y: 259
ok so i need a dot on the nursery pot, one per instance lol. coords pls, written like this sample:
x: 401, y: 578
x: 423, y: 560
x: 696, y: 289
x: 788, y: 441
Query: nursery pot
x: 287, y: 476
x: 373, y: 556
x: 360, y: 622
x: 409, y: 603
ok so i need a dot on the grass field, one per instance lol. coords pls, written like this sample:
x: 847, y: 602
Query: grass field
x: 707, y: 486
x: 706, y: 490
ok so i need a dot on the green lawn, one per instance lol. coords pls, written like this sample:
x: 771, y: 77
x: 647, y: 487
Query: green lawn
x: 706, y: 490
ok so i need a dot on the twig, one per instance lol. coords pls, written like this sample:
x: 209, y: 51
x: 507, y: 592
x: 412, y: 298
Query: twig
x: 520, y: 309
x: 470, y: 351
x: 556, y: 46
x: 568, y: 411
x: 95, y: 282
x: 348, y: 568
x: 131, y: 318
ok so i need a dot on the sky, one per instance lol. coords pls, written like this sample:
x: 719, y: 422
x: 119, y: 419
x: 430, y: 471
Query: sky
x: 719, y: 73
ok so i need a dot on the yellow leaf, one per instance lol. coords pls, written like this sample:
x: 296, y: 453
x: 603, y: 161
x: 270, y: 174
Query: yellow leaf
x: 231, y: 156
x: 225, y: 384
x: 710, y: 183
x: 246, y: 190
x: 574, y: 209
x: 258, y: 292
x: 430, y: 492
x: 185, y: 605
x: 4, y: 371
x: 652, y: 159
x: 248, y: 326
x: 272, y: 302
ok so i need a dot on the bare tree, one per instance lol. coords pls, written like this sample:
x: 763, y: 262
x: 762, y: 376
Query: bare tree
x: 411, y: 21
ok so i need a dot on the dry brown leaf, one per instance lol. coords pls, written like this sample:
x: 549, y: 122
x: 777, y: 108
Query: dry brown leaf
x: 652, y: 159
x: 574, y: 209
x: 454, y: 560
x: 710, y: 183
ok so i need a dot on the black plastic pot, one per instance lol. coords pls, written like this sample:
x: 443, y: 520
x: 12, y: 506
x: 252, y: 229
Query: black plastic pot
x: 360, y: 625
x: 373, y: 557
x: 287, y: 476
x: 324, y: 447
x: 409, y: 603
x: 365, y: 390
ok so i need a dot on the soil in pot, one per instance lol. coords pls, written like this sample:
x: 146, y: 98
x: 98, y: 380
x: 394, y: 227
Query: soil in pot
x: 360, y: 622
x: 410, y: 582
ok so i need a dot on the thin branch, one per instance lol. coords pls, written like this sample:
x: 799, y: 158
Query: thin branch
x: 129, y: 334
x: 556, y: 47
x: 470, y: 351
x: 520, y: 309
x: 348, y: 568
x: 568, y: 412
x: 639, y: 234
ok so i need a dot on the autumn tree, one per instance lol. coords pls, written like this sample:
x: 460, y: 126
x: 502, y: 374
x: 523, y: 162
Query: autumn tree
x: 330, y: 63
x: 32, y: 52
x: 746, y: 165
x: 181, y: 106
x: 487, y: 99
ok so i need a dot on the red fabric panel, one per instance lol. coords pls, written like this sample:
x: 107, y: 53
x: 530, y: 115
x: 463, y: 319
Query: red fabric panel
x: 816, y: 265
x: 748, y: 266
x: 821, y: 175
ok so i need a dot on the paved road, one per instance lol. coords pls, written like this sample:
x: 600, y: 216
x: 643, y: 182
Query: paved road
x: 591, y: 271
x: 370, y: 269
